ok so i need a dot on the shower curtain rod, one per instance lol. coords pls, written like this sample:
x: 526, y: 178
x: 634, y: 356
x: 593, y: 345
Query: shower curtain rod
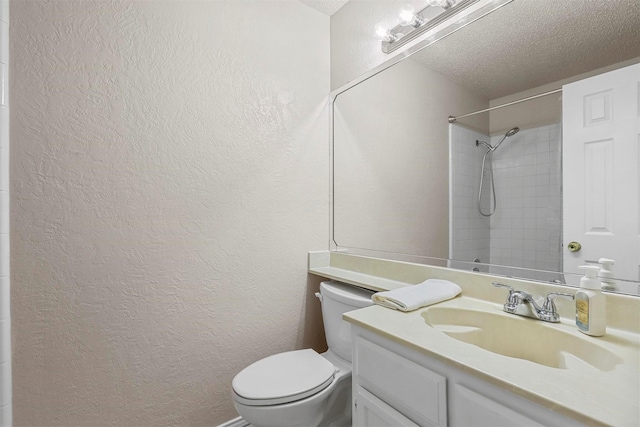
x: 452, y: 119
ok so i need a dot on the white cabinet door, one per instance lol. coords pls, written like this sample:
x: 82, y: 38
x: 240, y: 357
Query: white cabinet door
x: 470, y: 409
x: 411, y: 389
x: 369, y: 411
x: 601, y: 134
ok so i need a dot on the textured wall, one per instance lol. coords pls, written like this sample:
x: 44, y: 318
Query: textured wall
x: 169, y: 174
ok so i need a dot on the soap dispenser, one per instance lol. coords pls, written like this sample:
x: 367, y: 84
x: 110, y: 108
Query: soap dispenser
x: 606, y: 274
x: 591, y: 308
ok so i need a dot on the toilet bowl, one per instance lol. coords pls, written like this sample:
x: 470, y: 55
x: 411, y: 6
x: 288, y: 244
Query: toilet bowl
x: 303, y: 387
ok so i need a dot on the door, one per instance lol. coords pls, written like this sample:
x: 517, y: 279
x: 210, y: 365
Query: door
x: 601, y: 134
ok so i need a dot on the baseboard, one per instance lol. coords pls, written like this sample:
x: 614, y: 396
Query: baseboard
x: 236, y: 422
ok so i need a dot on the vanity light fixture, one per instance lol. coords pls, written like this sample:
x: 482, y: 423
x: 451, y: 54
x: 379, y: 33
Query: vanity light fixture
x: 439, y: 19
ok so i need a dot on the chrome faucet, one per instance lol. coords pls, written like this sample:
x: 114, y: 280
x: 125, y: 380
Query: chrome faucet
x: 523, y: 304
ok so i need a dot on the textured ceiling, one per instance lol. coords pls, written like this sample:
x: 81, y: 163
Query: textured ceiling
x: 528, y: 43
x: 328, y: 7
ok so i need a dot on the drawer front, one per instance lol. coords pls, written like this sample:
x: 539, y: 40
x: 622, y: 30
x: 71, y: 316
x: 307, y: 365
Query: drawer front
x: 413, y: 390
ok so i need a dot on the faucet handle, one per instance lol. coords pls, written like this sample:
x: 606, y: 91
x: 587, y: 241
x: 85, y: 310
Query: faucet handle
x: 511, y: 300
x: 500, y: 285
x: 549, y: 305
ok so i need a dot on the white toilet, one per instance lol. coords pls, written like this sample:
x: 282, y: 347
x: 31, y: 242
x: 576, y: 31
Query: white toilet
x: 302, y: 387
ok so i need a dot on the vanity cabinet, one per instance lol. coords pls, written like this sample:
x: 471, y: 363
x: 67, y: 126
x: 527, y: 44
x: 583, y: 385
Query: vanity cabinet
x: 394, y: 385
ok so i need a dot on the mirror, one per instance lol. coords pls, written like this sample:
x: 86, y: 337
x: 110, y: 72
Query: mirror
x: 406, y: 182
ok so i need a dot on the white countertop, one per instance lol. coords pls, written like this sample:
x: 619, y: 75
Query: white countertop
x: 581, y: 392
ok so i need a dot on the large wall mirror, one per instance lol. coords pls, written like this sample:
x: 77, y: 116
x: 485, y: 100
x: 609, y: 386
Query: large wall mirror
x: 531, y: 189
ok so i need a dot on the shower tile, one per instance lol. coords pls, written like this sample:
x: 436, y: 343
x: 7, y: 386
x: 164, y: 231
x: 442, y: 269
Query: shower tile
x: 4, y: 15
x: 542, y: 158
x: 4, y: 213
x: 4, y: 261
x: 6, y: 416
x: 4, y: 86
x: 4, y: 42
x: 529, y: 149
x: 542, y: 190
x: 529, y: 159
x: 5, y: 295
x: 5, y: 387
x: 5, y: 340
x: 4, y: 169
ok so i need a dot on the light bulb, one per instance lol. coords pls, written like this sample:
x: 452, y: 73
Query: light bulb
x: 408, y: 16
x: 407, y: 13
x: 383, y: 32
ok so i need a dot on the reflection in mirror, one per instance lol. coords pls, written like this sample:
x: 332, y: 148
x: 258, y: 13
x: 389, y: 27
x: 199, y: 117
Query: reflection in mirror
x: 407, y: 182
x: 506, y: 190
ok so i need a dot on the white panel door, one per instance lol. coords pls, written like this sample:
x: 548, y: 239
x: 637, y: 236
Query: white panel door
x: 601, y: 135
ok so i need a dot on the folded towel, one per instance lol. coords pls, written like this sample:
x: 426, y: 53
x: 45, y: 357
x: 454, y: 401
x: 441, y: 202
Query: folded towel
x: 410, y: 298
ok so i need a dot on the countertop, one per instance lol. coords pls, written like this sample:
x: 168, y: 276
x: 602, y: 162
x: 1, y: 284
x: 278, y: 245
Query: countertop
x: 582, y: 392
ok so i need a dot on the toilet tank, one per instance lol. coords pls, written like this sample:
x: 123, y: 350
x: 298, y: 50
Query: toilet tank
x: 338, y: 298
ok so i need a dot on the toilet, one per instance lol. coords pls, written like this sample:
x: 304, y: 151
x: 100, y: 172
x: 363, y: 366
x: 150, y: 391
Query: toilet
x: 303, y: 387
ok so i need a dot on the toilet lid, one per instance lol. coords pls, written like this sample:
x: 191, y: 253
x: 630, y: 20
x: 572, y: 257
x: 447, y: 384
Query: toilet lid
x: 282, y: 378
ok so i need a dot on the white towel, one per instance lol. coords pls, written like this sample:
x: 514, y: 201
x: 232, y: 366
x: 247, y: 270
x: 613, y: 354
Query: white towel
x: 410, y: 298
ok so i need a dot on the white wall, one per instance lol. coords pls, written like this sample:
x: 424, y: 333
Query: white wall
x: 169, y: 175
x: 391, y: 154
x: 5, y: 317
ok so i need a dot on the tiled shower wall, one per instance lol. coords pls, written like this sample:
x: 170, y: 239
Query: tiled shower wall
x: 526, y: 227
x: 5, y: 319
x: 525, y: 230
x: 470, y: 234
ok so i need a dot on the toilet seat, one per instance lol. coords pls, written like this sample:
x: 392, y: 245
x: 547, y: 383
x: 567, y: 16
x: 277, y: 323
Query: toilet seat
x: 283, y: 378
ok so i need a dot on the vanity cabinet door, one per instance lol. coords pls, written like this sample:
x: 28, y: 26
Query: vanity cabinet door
x: 369, y: 411
x: 471, y: 409
x: 414, y: 391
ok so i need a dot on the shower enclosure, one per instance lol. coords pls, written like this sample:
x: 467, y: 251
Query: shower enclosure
x: 521, y: 189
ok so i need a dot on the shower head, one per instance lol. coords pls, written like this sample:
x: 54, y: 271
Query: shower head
x: 509, y: 134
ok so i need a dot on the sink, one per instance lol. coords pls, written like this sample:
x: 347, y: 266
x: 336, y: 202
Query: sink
x: 519, y: 337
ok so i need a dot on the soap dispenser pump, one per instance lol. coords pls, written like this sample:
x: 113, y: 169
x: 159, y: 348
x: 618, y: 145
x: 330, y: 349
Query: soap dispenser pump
x: 606, y: 274
x: 591, y: 303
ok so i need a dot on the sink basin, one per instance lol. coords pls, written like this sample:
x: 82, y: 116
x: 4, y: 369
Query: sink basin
x: 519, y: 337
